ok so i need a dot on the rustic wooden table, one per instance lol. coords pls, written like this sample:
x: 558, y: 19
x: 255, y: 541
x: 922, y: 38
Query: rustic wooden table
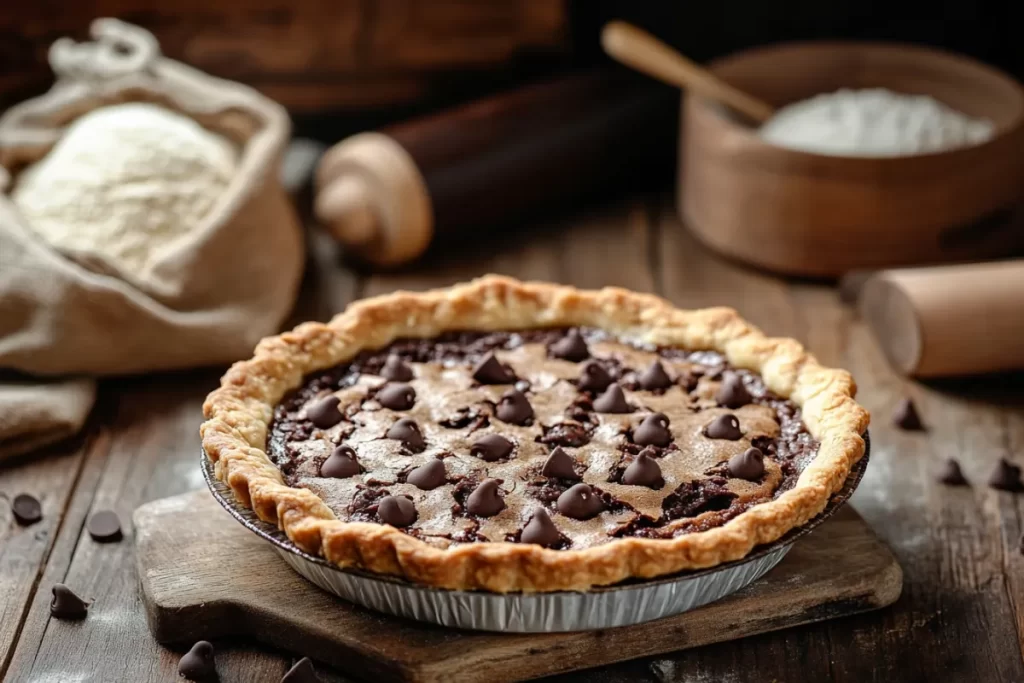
x: 962, y: 609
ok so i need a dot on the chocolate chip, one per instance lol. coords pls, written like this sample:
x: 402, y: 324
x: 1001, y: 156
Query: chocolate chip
x: 485, y: 501
x: 732, y: 393
x: 198, y: 664
x: 580, y: 502
x: 396, y: 370
x: 570, y: 347
x: 324, y: 414
x: 725, y: 426
x: 613, y: 400
x: 302, y: 672
x: 565, y: 434
x: 408, y: 432
x: 560, y: 465
x: 951, y: 474
x: 398, y: 511
x: 692, y: 498
x: 714, y: 373
x: 747, y: 465
x: 906, y: 417
x: 593, y: 377
x: 462, y: 418
x: 341, y: 464
x: 654, y: 377
x: 491, y: 447
x: 689, y: 380
x: 428, y: 476
x: 27, y: 509
x: 1006, y: 477
x: 644, y: 471
x: 397, y: 396
x: 514, y: 408
x: 653, y: 431
x: 491, y: 371
x: 104, y: 526
x: 540, y: 530
x: 67, y: 605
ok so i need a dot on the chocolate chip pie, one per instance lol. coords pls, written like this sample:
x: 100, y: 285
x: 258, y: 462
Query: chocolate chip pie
x: 511, y: 436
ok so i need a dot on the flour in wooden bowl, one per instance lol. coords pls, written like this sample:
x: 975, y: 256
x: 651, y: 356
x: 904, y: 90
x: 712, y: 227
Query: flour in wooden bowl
x: 873, y: 123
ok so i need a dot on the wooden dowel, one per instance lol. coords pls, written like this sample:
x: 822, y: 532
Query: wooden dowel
x: 952, y: 320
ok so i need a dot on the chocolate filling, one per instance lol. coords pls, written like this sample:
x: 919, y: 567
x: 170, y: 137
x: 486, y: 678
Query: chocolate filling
x: 453, y: 411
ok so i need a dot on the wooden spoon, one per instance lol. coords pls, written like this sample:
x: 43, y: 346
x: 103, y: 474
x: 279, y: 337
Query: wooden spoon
x: 638, y: 49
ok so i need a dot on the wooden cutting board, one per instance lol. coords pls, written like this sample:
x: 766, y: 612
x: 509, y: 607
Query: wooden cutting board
x: 205, y: 576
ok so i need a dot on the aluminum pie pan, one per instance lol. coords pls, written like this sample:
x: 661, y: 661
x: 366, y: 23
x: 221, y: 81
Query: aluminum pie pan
x: 623, y: 604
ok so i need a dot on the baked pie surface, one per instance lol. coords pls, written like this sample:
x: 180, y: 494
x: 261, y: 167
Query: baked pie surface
x: 510, y: 436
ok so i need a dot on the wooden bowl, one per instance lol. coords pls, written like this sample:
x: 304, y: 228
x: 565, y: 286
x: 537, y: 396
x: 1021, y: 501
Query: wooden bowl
x: 814, y: 215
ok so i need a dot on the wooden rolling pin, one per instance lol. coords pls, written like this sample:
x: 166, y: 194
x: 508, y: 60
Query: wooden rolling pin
x: 950, y: 320
x: 477, y: 168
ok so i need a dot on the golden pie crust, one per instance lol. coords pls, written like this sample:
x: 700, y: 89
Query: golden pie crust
x: 238, y: 415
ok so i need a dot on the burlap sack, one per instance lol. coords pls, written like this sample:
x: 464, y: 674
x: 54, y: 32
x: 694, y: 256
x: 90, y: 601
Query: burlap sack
x: 207, y: 300
x: 35, y: 413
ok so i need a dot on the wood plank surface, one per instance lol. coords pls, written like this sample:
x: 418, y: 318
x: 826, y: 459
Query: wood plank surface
x: 946, y: 539
x: 312, y: 56
x: 191, y: 536
x: 145, y: 447
x: 24, y: 551
x: 154, y: 426
x: 960, y: 615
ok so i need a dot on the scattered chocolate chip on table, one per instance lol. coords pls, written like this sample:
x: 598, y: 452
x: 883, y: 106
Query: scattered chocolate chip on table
x: 104, y: 526
x: 1006, y: 477
x: 951, y: 474
x: 198, y: 664
x: 906, y: 417
x: 66, y: 605
x: 26, y: 509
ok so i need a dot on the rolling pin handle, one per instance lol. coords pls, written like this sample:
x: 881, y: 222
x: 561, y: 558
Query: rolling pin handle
x: 346, y: 210
x: 372, y: 198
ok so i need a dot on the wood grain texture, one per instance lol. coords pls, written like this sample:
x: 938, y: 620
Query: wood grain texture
x: 191, y: 536
x: 459, y: 32
x: 24, y: 551
x: 950, y: 542
x: 948, y: 539
x: 153, y: 421
x: 310, y: 55
x: 607, y: 245
x: 958, y: 619
x: 145, y: 449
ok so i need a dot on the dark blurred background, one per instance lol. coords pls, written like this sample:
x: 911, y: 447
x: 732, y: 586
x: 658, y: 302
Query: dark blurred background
x: 346, y: 64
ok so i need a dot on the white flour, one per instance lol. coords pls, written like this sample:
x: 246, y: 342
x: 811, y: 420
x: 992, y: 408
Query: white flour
x: 125, y: 181
x: 873, y: 123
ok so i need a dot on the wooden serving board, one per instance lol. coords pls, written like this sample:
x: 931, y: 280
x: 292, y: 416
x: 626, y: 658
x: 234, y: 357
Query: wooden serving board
x: 205, y: 576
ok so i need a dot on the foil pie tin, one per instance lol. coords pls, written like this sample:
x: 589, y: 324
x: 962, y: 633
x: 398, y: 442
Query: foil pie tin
x: 631, y: 602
